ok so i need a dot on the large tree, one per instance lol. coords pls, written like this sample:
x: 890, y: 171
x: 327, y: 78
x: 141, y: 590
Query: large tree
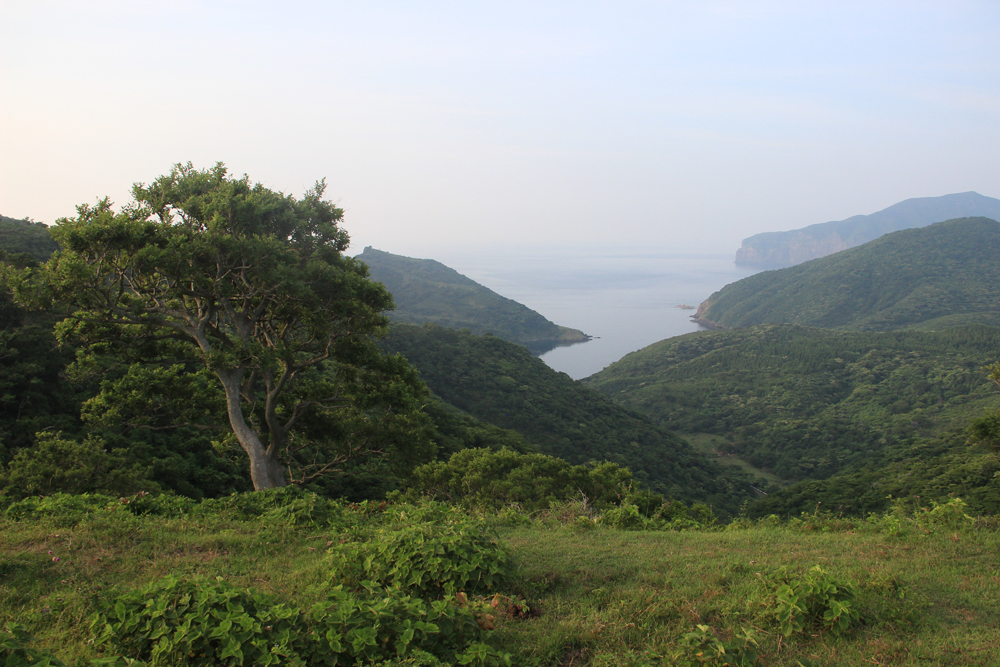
x: 206, y: 275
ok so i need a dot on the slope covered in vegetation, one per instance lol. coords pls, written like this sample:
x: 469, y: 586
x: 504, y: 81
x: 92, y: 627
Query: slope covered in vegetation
x: 928, y: 277
x: 428, y: 291
x: 808, y: 403
x: 503, y: 384
x: 25, y: 236
x: 284, y: 578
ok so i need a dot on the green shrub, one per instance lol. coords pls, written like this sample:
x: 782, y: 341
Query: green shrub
x: 426, y: 550
x: 15, y: 653
x: 202, y: 622
x: 58, y: 464
x: 702, y: 647
x: 491, y: 479
x: 63, y: 508
x: 816, y: 599
x: 672, y: 515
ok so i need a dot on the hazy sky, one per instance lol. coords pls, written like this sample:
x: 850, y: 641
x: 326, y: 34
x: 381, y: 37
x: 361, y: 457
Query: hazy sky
x: 682, y: 126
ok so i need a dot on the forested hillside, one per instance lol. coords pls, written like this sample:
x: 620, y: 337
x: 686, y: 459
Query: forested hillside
x: 503, y: 384
x: 930, y: 278
x: 425, y: 290
x: 809, y: 403
x: 25, y: 236
x: 780, y: 249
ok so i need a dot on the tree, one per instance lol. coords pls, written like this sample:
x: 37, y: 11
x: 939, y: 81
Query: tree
x: 986, y: 429
x: 204, y: 275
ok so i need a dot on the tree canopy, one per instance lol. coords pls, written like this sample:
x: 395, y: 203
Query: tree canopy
x: 222, y: 297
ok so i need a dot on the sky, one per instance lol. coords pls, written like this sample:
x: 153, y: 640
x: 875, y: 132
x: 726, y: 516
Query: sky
x: 481, y: 127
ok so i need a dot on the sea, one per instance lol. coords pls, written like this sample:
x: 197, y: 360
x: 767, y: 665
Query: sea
x: 625, y: 300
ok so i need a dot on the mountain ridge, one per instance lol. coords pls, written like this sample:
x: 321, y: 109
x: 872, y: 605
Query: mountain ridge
x: 929, y: 277
x: 774, y: 250
x: 427, y: 291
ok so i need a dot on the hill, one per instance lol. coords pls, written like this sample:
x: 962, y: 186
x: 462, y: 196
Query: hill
x: 773, y: 250
x: 503, y: 384
x: 426, y: 290
x: 809, y: 403
x: 25, y: 236
x: 930, y: 278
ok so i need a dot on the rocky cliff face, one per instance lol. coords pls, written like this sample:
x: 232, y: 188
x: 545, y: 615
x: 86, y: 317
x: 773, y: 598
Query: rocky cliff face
x: 797, y: 249
x: 775, y: 250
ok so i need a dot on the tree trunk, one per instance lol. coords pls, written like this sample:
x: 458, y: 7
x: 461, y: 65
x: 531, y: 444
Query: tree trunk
x: 265, y: 471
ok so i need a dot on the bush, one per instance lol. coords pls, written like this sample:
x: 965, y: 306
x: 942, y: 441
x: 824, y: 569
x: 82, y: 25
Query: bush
x: 58, y: 464
x: 15, y: 653
x: 426, y: 550
x: 201, y: 622
x: 816, y: 599
x: 491, y: 479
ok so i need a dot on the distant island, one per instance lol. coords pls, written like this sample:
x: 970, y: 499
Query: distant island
x: 775, y: 250
x: 427, y: 291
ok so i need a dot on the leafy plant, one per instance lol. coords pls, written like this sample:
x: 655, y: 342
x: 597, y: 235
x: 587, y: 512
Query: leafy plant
x: 702, y: 647
x: 201, y: 622
x: 816, y: 599
x: 440, y: 550
x: 15, y: 653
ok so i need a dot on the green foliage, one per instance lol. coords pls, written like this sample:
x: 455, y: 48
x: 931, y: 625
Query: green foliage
x: 427, y: 291
x: 14, y: 651
x: 59, y: 464
x: 807, y: 403
x: 454, y: 431
x: 63, y: 509
x: 26, y: 237
x: 34, y: 395
x: 205, y: 276
x: 487, y: 479
x: 425, y: 550
x: 503, y: 384
x: 702, y: 647
x: 816, y: 599
x: 671, y: 515
x: 210, y: 622
x: 894, y: 282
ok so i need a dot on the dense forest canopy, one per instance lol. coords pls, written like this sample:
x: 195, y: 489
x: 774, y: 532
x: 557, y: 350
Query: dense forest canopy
x: 26, y: 237
x: 808, y: 403
x: 503, y: 384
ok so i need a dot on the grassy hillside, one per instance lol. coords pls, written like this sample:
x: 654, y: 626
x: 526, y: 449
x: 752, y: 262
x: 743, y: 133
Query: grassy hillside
x: 907, y: 279
x: 808, y: 403
x: 427, y: 291
x: 780, y: 249
x: 503, y: 384
x: 569, y: 587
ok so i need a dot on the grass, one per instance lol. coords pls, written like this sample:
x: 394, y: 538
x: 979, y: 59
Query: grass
x: 928, y: 595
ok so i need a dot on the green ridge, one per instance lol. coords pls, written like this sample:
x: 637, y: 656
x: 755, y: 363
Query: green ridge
x: 503, y: 384
x: 932, y: 276
x: 426, y: 290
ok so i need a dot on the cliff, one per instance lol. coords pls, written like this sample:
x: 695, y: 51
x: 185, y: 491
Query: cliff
x: 782, y: 249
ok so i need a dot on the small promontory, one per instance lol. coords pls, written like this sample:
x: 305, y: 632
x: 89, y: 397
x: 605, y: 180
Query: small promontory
x: 426, y: 290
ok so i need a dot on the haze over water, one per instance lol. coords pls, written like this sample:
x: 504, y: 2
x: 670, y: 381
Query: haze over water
x: 626, y: 300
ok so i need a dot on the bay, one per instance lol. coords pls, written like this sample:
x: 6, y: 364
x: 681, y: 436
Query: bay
x: 627, y: 300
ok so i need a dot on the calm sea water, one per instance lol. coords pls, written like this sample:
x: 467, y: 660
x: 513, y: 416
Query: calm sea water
x: 626, y: 300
